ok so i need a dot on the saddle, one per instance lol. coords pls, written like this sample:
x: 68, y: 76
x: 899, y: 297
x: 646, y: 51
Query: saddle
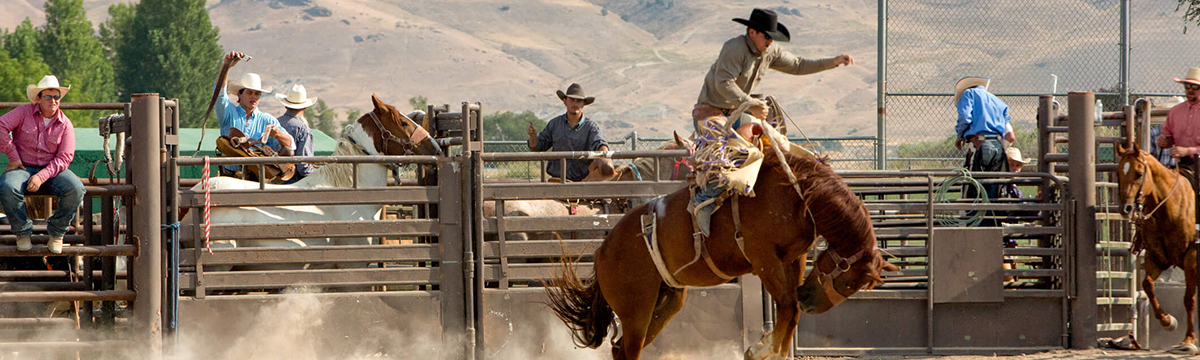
x: 237, y: 144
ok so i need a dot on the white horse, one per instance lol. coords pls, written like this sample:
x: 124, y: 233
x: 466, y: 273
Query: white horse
x: 363, y: 137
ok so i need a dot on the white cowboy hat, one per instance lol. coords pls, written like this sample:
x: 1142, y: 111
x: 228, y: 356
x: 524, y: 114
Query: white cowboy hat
x: 967, y: 83
x: 249, y: 81
x: 47, y: 82
x: 1193, y: 77
x: 1014, y: 154
x: 296, y: 98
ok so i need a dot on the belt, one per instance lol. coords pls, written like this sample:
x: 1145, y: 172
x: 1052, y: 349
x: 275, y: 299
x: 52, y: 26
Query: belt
x: 984, y: 136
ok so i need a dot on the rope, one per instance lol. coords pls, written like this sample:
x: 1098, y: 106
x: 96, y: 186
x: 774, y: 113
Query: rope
x: 781, y: 114
x: 207, y: 206
x: 964, y: 176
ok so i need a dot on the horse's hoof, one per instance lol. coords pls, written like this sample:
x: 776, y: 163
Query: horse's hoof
x: 1185, y: 349
x: 1173, y: 325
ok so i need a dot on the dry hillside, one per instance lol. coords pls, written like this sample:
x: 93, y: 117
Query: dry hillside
x: 644, y: 61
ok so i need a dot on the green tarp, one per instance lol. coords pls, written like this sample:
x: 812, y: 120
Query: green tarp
x: 89, y: 148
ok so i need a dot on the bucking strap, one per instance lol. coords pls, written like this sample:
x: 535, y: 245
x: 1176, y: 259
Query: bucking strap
x: 649, y: 228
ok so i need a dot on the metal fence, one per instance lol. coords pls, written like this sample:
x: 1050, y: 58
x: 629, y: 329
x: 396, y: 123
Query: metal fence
x: 1118, y: 48
x: 845, y: 153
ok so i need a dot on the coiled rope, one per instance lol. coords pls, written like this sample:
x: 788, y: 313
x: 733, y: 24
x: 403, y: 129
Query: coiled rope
x: 953, y: 218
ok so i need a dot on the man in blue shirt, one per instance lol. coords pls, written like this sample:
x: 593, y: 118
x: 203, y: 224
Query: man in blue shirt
x: 244, y: 114
x: 570, y: 131
x: 982, y: 121
x: 293, y: 121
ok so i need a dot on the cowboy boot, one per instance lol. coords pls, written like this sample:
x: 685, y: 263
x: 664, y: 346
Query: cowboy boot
x: 55, y: 245
x: 24, y: 243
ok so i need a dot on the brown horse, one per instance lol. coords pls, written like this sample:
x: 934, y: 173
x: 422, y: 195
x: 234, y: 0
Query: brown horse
x: 1162, y: 204
x: 642, y: 169
x: 779, y: 226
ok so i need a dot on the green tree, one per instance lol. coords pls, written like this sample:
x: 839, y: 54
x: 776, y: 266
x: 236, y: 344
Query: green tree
x: 352, y: 115
x: 323, y: 118
x: 76, y: 56
x: 509, y: 125
x: 418, y: 102
x: 168, y: 47
x: 119, y: 23
x: 21, y: 48
x: 1192, y: 14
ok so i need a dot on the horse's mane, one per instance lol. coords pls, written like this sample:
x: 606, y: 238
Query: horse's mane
x: 838, y: 213
x: 337, y: 175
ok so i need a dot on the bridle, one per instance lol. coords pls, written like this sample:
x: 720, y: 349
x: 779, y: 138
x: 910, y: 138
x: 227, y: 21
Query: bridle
x: 840, y: 266
x: 1138, y: 216
x: 408, y: 145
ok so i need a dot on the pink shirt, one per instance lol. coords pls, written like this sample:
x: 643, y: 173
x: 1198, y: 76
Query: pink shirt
x: 1183, y: 124
x: 24, y: 135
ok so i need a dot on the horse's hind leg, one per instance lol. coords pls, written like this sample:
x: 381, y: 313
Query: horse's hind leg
x: 632, y: 298
x: 1189, y: 300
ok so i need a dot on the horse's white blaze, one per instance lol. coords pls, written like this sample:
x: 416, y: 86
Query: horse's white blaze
x: 1125, y: 169
x: 355, y: 132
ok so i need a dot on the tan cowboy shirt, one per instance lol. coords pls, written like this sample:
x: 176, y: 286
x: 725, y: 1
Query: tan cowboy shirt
x: 740, y: 66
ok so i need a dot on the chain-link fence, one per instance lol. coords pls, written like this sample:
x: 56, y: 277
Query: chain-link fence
x: 1027, y: 48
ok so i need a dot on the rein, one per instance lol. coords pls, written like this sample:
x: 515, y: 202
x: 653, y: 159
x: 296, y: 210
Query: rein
x: 1141, y: 197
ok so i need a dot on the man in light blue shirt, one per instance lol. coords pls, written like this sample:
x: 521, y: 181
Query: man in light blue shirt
x: 982, y: 121
x: 244, y: 114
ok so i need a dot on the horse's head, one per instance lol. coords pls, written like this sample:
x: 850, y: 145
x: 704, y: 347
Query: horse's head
x: 1134, y: 178
x: 834, y: 278
x: 390, y: 133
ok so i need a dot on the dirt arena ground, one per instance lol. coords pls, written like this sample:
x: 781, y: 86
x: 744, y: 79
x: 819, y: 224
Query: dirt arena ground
x: 1051, y: 355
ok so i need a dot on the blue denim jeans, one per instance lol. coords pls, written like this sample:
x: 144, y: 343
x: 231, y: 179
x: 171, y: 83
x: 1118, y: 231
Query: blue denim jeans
x: 711, y: 190
x: 65, y: 186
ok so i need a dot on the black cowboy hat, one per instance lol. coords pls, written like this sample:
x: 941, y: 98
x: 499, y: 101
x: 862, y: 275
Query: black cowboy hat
x: 575, y: 91
x: 765, y: 21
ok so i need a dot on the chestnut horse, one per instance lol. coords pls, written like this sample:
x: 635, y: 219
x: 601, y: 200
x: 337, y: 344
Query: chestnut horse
x: 1162, y: 204
x: 779, y: 225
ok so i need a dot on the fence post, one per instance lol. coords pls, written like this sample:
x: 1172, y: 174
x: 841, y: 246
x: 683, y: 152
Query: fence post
x: 146, y: 166
x: 456, y: 300
x: 881, y: 90
x: 633, y: 140
x: 1082, y: 172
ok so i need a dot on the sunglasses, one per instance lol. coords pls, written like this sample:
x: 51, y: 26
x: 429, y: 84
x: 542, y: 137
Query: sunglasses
x: 51, y: 97
x: 1192, y: 87
x: 768, y: 37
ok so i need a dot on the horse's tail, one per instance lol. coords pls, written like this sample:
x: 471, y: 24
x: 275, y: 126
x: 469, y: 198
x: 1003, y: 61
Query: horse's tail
x: 580, y: 305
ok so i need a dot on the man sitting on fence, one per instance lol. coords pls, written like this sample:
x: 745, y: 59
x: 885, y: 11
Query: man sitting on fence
x: 40, y: 143
x: 571, y: 131
x: 244, y: 114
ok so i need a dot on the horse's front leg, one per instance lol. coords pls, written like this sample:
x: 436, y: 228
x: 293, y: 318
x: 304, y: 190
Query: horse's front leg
x: 780, y: 281
x: 1152, y: 272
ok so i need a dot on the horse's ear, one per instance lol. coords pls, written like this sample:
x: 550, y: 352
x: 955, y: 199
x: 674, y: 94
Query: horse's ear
x: 1121, y: 149
x: 679, y: 141
x: 379, y: 105
x: 1135, y: 148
